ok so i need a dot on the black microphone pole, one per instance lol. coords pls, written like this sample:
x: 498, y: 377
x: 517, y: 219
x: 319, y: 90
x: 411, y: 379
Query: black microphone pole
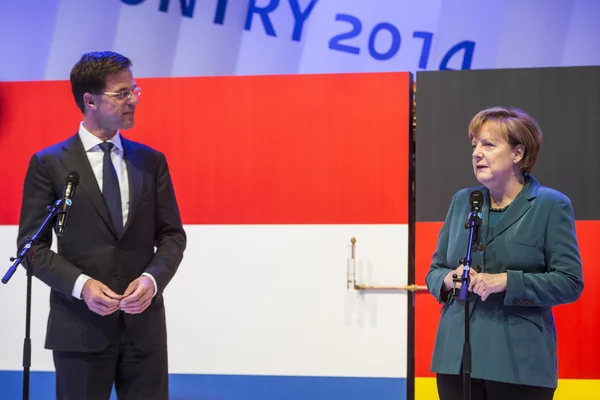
x: 53, y: 210
x: 472, y: 224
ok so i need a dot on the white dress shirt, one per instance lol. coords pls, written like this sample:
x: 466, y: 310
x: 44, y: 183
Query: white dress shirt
x: 96, y: 158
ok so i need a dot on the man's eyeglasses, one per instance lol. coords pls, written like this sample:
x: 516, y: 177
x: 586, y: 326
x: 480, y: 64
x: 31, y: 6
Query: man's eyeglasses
x: 124, y: 95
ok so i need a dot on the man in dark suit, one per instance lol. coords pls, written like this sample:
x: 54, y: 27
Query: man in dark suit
x: 123, y: 243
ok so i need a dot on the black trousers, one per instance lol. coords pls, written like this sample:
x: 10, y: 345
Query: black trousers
x: 90, y: 376
x: 450, y: 387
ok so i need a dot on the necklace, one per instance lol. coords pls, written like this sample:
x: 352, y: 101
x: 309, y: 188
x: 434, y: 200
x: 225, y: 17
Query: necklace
x: 499, y: 209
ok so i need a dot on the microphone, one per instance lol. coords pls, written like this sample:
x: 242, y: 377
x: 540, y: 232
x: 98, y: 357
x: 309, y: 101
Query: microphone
x: 472, y: 224
x: 476, y: 203
x: 71, y: 184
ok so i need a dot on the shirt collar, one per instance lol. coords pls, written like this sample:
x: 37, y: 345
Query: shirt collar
x: 90, y: 141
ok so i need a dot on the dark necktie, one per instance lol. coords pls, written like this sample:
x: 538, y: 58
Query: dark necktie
x: 110, y: 188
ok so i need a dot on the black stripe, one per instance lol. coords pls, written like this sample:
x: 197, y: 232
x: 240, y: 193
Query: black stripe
x: 566, y: 103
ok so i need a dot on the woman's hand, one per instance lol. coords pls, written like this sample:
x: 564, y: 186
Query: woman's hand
x: 448, y: 279
x: 485, y: 284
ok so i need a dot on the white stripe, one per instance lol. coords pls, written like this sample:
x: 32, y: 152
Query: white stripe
x: 265, y: 299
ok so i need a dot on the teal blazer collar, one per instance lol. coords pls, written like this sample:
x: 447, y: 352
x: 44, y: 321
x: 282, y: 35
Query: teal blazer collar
x: 519, y: 206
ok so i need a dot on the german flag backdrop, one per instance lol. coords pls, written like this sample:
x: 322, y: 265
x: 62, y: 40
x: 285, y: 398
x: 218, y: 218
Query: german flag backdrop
x: 565, y: 102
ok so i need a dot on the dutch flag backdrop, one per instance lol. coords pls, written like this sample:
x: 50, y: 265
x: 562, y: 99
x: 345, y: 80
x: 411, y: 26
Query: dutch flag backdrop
x: 274, y: 175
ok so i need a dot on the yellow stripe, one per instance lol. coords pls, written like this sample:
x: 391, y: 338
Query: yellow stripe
x: 580, y: 389
x: 425, y: 389
x: 568, y: 389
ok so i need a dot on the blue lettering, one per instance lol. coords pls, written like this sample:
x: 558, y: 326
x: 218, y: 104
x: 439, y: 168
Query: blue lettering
x: 394, y: 47
x: 427, y: 39
x: 220, y: 13
x: 467, y: 46
x: 334, y: 42
x: 263, y: 12
x: 187, y: 10
x: 300, y: 17
x: 133, y: 2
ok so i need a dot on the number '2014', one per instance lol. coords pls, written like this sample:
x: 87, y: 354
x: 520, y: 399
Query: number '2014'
x: 335, y: 43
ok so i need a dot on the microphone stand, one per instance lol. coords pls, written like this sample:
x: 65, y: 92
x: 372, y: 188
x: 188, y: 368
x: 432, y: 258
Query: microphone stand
x: 473, y: 223
x: 52, y: 210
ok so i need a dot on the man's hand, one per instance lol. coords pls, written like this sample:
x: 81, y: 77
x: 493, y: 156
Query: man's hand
x: 485, y: 284
x: 99, y: 298
x: 138, y: 295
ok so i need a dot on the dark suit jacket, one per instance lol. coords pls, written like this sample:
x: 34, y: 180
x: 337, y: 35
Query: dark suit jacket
x: 90, y: 244
x: 513, y: 338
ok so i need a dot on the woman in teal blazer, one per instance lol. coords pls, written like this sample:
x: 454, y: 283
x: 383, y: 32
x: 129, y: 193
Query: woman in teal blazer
x: 528, y: 263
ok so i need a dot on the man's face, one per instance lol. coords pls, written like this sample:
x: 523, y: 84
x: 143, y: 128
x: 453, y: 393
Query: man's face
x: 116, y: 105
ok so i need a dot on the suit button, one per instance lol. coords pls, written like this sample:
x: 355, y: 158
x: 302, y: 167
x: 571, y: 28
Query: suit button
x: 117, y: 276
x: 478, y: 268
x: 481, y: 247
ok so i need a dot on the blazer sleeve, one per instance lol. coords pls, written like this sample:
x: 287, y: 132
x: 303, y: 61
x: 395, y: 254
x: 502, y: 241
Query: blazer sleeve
x: 439, y: 266
x: 170, y: 238
x: 45, y: 264
x: 563, y: 280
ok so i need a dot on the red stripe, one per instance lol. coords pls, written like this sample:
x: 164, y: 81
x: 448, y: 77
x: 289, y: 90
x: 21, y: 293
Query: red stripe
x: 577, y: 324
x: 427, y: 311
x: 298, y: 149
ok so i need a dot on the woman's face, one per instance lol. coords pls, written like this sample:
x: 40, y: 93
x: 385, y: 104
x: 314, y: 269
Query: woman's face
x: 494, y: 160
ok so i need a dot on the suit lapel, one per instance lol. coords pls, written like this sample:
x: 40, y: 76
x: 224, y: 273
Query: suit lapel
x: 520, y: 205
x: 75, y: 159
x: 135, y: 171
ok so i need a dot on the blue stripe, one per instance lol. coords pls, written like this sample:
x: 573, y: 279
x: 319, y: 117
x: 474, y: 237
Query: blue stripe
x: 235, y: 387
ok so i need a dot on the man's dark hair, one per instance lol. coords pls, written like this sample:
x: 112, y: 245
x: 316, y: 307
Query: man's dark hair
x: 90, y: 72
